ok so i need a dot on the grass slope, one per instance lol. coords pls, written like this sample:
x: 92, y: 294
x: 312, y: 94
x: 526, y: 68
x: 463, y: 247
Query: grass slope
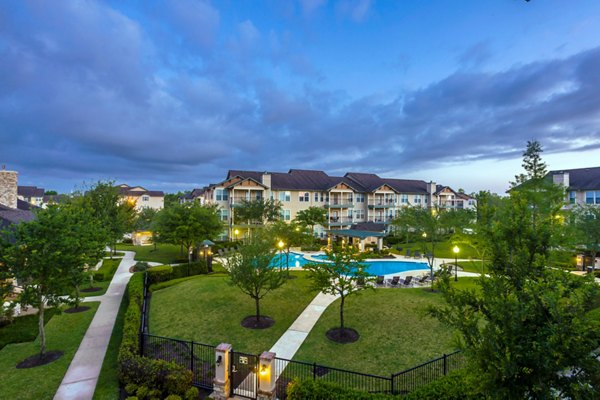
x: 208, y: 310
x: 164, y: 253
x: 23, y: 329
x: 395, y: 332
x: 63, y: 332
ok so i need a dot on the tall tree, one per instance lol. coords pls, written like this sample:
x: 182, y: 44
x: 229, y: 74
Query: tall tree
x: 250, y: 269
x: 46, y: 253
x: 288, y: 236
x: 257, y: 212
x: 586, y: 222
x: 312, y: 216
x: 187, y: 224
x: 404, y: 222
x: 527, y: 329
x: 341, y: 275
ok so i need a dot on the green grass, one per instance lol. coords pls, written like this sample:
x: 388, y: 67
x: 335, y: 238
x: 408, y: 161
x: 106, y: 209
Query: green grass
x: 108, y: 382
x: 109, y: 267
x: 442, y: 249
x: 63, y: 332
x: 395, y: 332
x: 164, y: 253
x: 22, y: 329
x: 473, y: 266
x: 117, y: 254
x: 208, y: 310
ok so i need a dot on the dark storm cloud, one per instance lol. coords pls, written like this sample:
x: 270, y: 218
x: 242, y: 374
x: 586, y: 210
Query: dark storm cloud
x: 88, y: 91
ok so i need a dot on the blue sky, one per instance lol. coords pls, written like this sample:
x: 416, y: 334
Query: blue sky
x: 172, y: 94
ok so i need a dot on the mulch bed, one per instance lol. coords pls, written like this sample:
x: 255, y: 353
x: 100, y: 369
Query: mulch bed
x: 91, y: 289
x: 347, y: 335
x: 74, y: 310
x: 36, y: 360
x: 264, y: 322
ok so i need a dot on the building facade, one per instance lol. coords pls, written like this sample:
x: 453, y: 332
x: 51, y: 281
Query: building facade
x: 351, y: 199
x: 582, y: 185
x: 141, y: 197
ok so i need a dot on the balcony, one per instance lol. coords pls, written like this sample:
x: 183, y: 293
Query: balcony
x: 339, y: 203
x: 383, y: 220
x: 340, y: 221
x: 382, y: 203
x: 237, y: 201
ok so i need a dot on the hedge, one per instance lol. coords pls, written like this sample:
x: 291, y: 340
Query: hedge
x: 165, y: 273
x: 107, y: 270
x: 144, y: 376
x: 454, y: 386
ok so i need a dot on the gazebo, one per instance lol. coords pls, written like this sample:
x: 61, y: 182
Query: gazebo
x: 361, y: 234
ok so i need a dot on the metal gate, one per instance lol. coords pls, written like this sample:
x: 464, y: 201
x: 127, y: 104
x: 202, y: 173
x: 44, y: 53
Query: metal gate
x: 244, y: 374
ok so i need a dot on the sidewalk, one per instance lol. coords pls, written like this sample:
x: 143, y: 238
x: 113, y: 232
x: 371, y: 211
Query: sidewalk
x: 79, y: 383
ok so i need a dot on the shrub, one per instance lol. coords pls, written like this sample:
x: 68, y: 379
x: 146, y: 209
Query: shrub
x: 192, y: 393
x: 173, y: 397
x: 98, y: 276
x: 196, y: 268
x: 160, y: 274
x: 457, y: 385
x: 320, y: 390
x: 140, y: 266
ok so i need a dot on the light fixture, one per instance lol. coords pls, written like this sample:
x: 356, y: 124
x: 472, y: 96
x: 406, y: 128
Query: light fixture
x: 219, y: 360
x: 281, y: 244
x: 264, y: 369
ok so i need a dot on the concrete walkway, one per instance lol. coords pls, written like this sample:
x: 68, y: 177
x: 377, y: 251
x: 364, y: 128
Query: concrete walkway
x: 79, y: 383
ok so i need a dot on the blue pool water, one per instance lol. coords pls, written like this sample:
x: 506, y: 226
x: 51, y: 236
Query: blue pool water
x: 374, y: 267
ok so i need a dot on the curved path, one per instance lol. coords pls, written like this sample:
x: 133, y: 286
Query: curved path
x: 79, y: 383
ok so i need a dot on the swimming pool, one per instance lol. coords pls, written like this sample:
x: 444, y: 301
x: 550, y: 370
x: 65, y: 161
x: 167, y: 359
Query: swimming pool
x: 374, y: 267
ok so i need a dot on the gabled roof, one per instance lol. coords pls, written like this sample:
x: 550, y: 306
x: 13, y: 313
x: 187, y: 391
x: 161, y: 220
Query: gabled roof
x: 370, y: 182
x: 30, y: 191
x: 582, y: 178
x: 245, y: 180
x: 126, y: 190
x: 408, y: 185
x: 9, y: 216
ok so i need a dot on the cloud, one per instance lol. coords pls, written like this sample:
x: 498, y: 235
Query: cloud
x: 356, y: 10
x: 310, y: 6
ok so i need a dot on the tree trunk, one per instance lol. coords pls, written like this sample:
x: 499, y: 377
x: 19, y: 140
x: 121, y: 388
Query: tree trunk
x: 42, y: 331
x: 77, y: 295
x: 257, y: 301
x: 342, y: 314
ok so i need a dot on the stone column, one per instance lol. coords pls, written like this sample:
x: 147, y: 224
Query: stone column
x: 8, y: 188
x: 222, y: 383
x: 266, y: 376
x: 380, y: 243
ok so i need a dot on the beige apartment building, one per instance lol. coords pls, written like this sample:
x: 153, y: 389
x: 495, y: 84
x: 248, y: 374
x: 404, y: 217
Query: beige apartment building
x: 350, y: 199
x: 141, y: 197
x: 582, y: 185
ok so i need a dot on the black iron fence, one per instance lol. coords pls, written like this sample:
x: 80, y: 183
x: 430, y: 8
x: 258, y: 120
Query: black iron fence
x: 421, y: 375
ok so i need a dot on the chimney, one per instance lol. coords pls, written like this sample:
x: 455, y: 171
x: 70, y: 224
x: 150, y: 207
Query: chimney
x: 8, y: 188
x: 266, y: 180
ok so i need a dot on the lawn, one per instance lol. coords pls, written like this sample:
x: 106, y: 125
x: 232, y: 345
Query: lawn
x: 107, y: 387
x: 23, y: 329
x: 208, y: 310
x: 63, y: 332
x: 474, y: 266
x: 395, y: 332
x: 108, y: 268
x: 164, y: 253
x: 442, y: 249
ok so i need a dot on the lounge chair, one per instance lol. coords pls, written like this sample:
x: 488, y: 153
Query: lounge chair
x: 422, y: 280
x: 417, y: 254
x: 407, y: 253
x: 408, y: 281
x: 360, y: 282
x: 380, y: 281
x: 394, y: 282
x: 399, y: 248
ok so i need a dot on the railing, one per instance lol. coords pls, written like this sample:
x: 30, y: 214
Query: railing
x: 421, y: 375
x: 382, y: 202
x: 339, y: 202
x: 237, y: 200
x: 340, y: 220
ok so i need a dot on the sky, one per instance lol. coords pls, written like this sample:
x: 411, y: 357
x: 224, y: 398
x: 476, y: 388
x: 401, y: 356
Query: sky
x: 170, y: 95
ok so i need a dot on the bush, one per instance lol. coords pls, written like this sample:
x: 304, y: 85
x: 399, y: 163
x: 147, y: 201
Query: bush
x: 140, y: 266
x: 321, y: 390
x: 192, y: 393
x: 107, y: 270
x: 457, y: 385
x: 159, y: 274
x: 196, y: 268
x: 98, y: 276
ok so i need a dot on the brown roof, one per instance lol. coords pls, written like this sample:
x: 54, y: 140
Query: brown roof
x: 30, y: 191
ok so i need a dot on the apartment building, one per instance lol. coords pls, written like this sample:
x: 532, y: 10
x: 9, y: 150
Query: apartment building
x: 349, y: 200
x: 582, y: 185
x: 141, y: 197
x: 31, y: 194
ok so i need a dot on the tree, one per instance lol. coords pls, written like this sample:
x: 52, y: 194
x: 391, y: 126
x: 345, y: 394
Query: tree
x: 312, y: 216
x: 586, y: 222
x: 187, y: 224
x: 527, y: 329
x: 47, y: 253
x: 250, y: 269
x: 110, y: 209
x: 404, y: 222
x: 341, y: 275
x: 257, y: 212
x: 288, y: 236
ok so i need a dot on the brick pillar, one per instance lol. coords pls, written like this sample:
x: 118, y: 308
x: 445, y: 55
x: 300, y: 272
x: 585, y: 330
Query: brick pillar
x: 266, y: 376
x: 222, y: 383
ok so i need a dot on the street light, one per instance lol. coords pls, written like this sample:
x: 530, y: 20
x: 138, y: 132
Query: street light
x: 455, y: 249
x: 207, y: 244
x: 235, y: 233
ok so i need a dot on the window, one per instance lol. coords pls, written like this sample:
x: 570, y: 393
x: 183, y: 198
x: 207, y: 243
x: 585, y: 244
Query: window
x: 145, y: 198
x: 286, y: 215
x: 589, y: 197
x: 417, y: 199
x: 285, y: 196
x: 224, y: 214
x: 572, y: 197
x: 317, y: 197
x: 221, y: 195
x: 404, y: 198
x: 350, y: 198
x: 304, y: 197
x: 359, y: 214
x: 350, y: 214
x: 360, y: 197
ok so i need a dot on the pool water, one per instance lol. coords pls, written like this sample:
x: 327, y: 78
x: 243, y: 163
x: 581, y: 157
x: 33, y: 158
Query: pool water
x: 374, y: 267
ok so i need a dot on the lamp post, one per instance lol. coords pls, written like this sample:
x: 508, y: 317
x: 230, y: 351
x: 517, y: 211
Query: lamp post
x: 280, y: 245
x: 455, y: 249
x: 189, y: 260
x: 235, y: 233
x: 207, y: 245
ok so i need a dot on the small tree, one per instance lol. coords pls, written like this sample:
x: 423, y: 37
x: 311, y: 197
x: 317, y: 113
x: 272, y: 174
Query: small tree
x: 250, y: 269
x: 587, y: 227
x: 343, y: 275
x: 404, y: 222
x: 289, y: 235
x: 312, y: 216
x: 257, y: 212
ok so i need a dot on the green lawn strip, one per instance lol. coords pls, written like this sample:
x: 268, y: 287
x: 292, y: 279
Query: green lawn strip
x: 108, y: 269
x: 442, y: 249
x: 22, y: 329
x: 208, y: 310
x: 116, y: 255
x: 395, y: 333
x: 63, y: 332
x: 108, y: 382
x: 164, y: 253
x: 474, y: 266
